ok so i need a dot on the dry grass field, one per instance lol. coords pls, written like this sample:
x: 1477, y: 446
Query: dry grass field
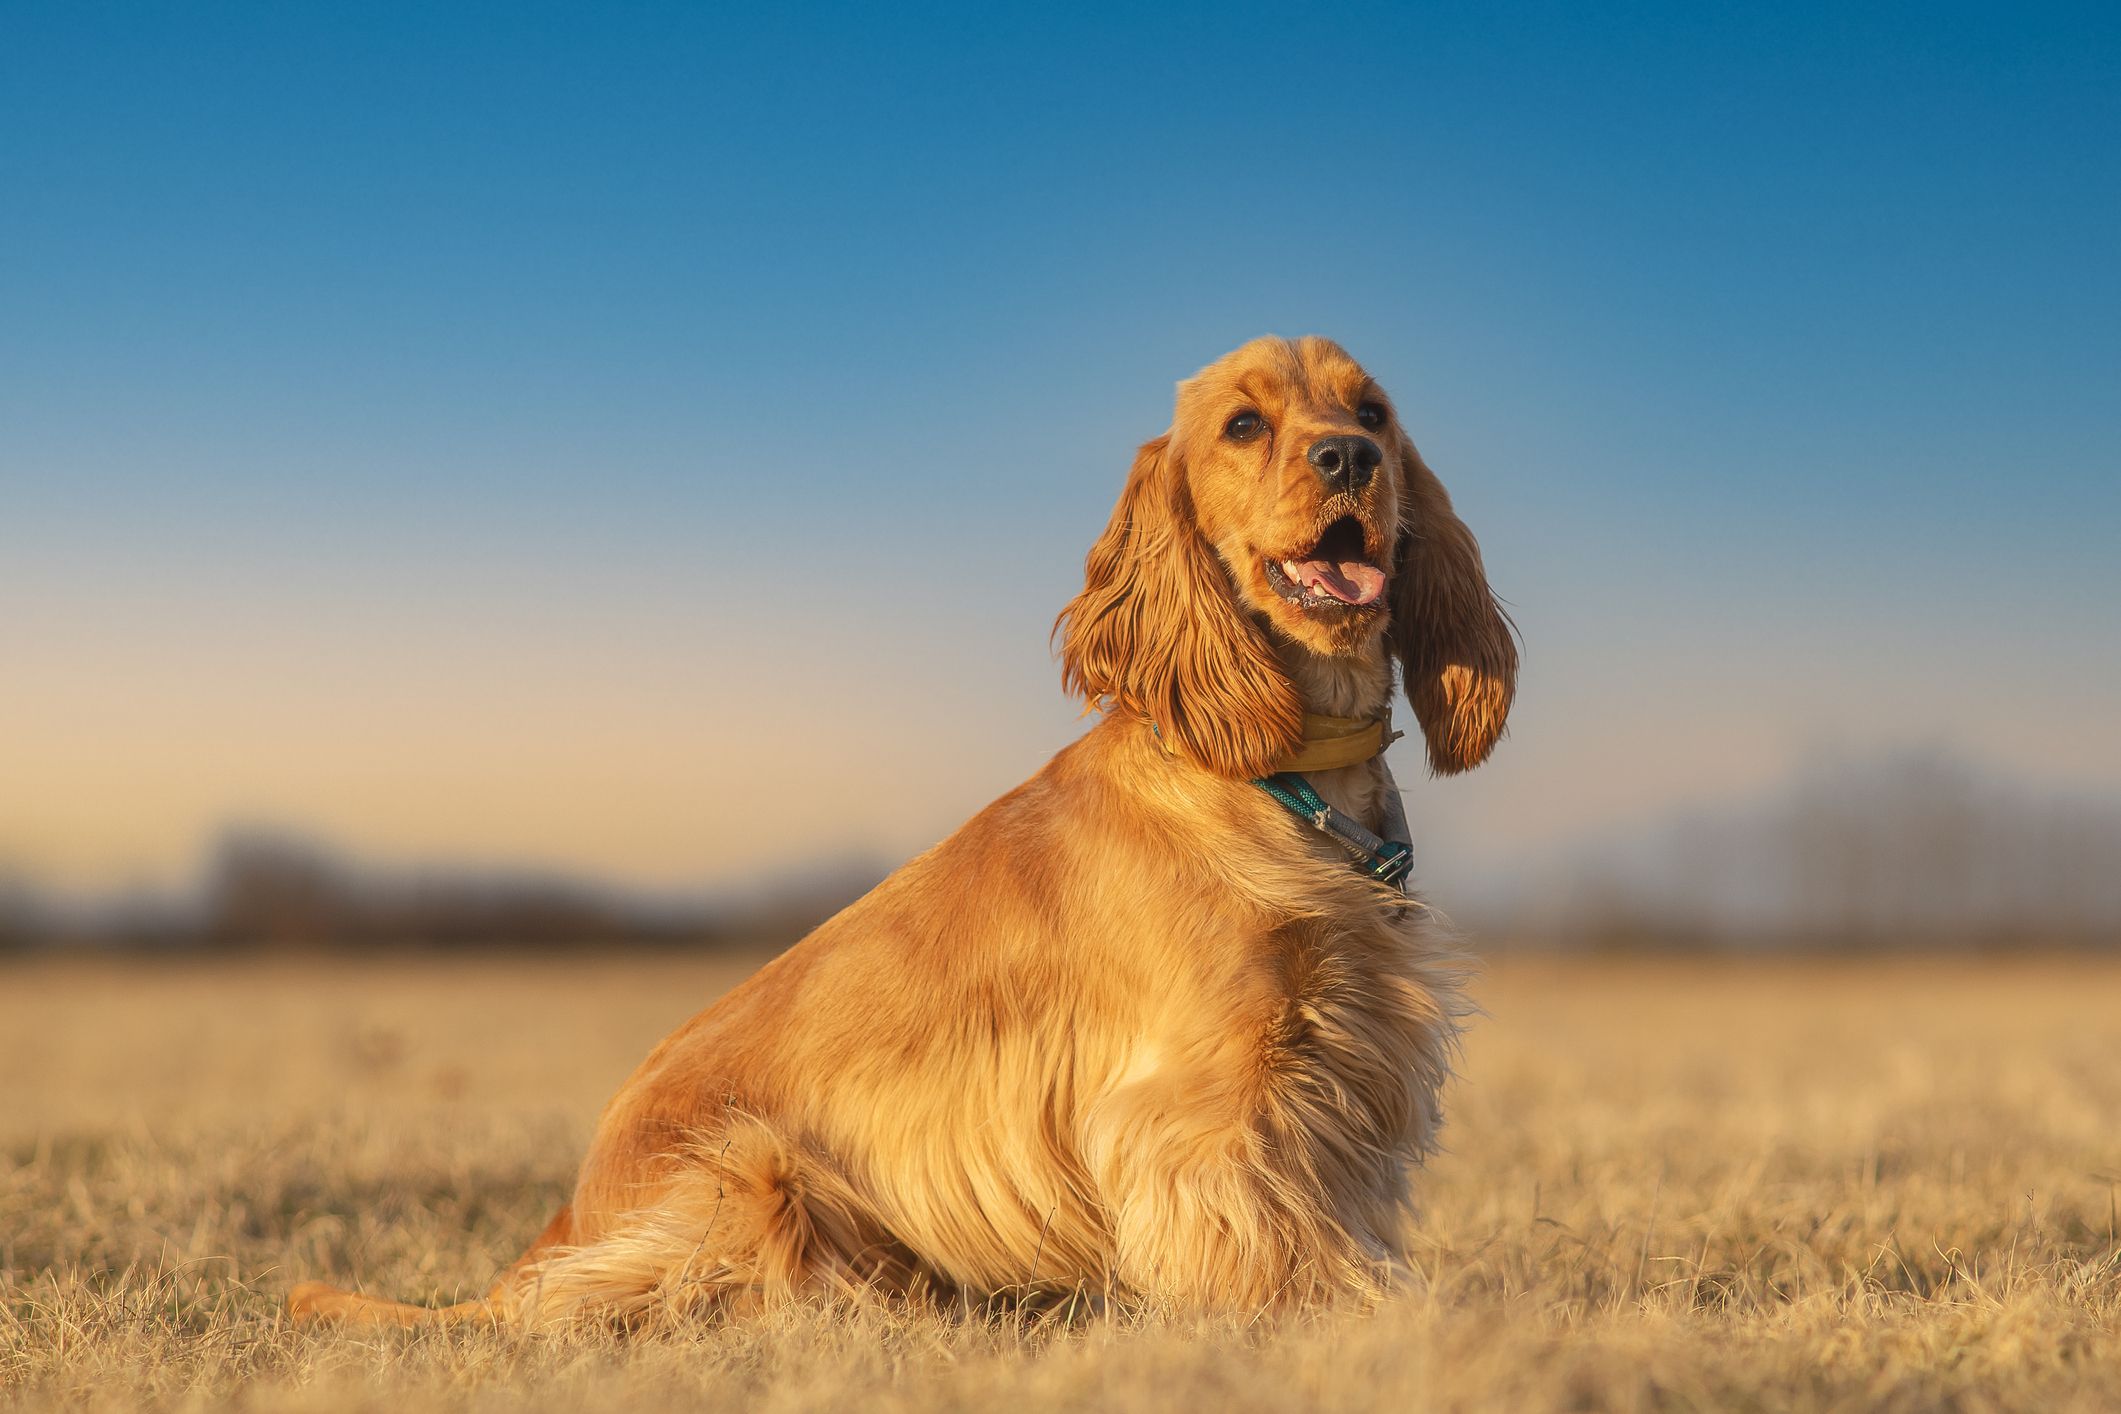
x: 1782, y: 1185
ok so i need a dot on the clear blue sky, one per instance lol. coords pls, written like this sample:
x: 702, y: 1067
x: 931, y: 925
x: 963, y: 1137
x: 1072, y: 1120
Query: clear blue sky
x: 654, y: 386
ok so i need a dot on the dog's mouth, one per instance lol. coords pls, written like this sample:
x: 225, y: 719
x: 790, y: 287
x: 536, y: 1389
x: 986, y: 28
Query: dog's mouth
x: 1335, y: 574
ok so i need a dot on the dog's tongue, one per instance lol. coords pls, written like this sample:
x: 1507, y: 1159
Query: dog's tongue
x: 1349, y: 581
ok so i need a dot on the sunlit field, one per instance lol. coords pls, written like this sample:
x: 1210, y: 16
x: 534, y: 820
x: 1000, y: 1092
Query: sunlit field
x: 1781, y: 1185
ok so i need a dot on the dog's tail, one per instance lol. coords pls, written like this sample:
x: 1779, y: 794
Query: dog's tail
x: 748, y: 1218
x: 315, y: 1301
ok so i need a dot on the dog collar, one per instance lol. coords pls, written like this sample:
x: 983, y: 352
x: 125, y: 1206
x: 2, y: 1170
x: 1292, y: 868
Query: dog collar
x: 1329, y: 742
x: 1333, y: 742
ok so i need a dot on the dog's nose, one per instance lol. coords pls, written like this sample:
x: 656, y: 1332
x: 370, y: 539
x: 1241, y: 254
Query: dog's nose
x: 1345, y: 462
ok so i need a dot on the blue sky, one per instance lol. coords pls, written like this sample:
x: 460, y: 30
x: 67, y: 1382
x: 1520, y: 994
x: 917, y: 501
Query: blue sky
x: 481, y: 430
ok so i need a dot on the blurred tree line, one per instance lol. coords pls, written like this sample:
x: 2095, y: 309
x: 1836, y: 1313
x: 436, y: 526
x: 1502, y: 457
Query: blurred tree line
x: 1912, y: 850
x: 266, y: 891
x: 1903, y: 852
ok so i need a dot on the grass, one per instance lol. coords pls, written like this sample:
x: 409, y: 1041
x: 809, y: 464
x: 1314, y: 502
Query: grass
x: 1775, y: 1185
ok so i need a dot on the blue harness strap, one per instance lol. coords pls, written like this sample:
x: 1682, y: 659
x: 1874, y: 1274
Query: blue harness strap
x: 1386, y: 861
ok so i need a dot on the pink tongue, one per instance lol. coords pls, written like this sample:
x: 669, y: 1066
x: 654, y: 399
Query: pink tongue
x: 1349, y: 581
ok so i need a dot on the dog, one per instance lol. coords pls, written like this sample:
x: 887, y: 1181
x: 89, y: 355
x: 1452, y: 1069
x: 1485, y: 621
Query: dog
x: 1158, y: 1025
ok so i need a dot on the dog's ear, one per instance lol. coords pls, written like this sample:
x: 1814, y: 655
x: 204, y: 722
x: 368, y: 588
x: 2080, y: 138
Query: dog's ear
x: 1457, y: 649
x: 1157, y: 630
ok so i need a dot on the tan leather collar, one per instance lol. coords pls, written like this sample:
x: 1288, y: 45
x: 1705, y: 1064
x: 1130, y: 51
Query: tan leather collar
x: 1333, y: 742
x: 1329, y: 742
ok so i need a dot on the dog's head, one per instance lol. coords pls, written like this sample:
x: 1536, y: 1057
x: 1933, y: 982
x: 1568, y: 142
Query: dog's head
x: 1286, y: 507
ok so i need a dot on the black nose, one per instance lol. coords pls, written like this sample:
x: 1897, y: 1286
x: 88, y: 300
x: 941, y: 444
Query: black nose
x: 1345, y: 462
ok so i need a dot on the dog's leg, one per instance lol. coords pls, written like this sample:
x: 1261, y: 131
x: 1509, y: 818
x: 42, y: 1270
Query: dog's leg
x: 750, y: 1219
x: 1214, y: 1207
x: 1221, y: 1234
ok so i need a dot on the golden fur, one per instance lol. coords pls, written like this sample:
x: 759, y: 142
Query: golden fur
x: 1133, y: 1030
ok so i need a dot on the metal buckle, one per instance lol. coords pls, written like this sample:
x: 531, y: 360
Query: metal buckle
x: 1394, y: 863
x: 1387, y: 861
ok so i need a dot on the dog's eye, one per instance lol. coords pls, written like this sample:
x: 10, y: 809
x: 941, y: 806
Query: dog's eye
x: 1244, y: 427
x: 1371, y: 415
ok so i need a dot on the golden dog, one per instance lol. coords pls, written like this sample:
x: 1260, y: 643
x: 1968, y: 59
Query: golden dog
x: 1136, y: 1029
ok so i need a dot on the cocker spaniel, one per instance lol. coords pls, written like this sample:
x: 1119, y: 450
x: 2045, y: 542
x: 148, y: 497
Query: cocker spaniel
x: 1160, y: 1023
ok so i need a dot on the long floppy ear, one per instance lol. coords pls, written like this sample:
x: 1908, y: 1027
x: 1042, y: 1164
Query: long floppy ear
x: 1157, y: 629
x: 1457, y: 649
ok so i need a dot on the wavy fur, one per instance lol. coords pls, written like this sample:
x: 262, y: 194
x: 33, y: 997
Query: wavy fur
x: 1457, y: 649
x: 1156, y: 631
